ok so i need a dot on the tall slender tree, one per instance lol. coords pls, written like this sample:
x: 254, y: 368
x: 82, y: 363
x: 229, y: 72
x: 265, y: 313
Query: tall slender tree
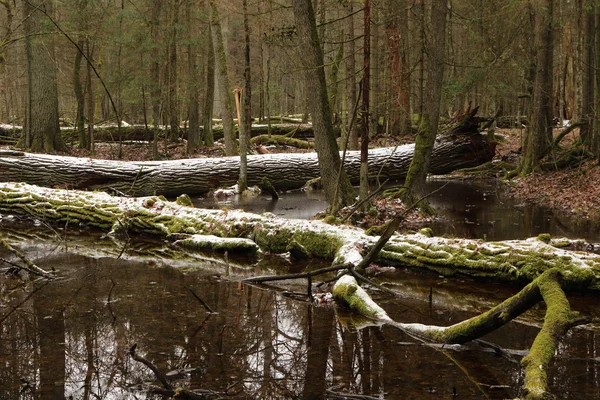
x: 209, y: 98
x: 194, y: 139
x: 538, y: 135
x: 350, y: 66
x: 338, y: 189
x: 223, y: 81
x: 42, y: 131
x: 428, y: 127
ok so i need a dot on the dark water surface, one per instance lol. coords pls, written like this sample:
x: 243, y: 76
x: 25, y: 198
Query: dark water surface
x: 70, y: 338
x: 468, y: 210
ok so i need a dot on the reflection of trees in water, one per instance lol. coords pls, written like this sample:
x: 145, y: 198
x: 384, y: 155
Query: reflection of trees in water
x: 259, y: 344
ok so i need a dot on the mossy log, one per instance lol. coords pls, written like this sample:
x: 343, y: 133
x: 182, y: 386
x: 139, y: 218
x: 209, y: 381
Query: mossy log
x: 140, y: 133
x: 192, y: 176
x: 517, y: 260
x: 282, y: 141
x: 10, y: 134
x: 547, y: 288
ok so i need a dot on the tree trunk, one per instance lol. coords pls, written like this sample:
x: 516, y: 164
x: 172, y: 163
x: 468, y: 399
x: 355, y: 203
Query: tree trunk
x: 91, y: 103
x: 538, y: 136
x: 337, y: 188
x: 155, y: 89
x: 363, y: 192
x: 79, y: 97
x: 350, y: 66
x: 193, y: 137
x: 172, y: 73
x: 207, y: 134
x: 42, y: 133
x: 223, y: 81
x: 587, y: 100
x: 245, y: 122
x: 513, y: 261
x: 415, y: 179
x: 191, y: 176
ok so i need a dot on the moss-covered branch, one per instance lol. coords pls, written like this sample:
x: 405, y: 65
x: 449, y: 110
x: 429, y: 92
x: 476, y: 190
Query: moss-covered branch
x: 547, y: 287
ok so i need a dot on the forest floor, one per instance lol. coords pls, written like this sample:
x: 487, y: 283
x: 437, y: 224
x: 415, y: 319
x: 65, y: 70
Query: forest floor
x: 574, y: 190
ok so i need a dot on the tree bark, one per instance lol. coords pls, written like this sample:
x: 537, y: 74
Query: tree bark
x: 79, y: 98
x: 538, y: 136
x: 223, y: 80
x: 191, y: 176
x: 193, y: 138
x: 207, y: 134
x: 172, y: 72
x: 42, y: 132
x: 337, y: 188
x: 428, y: 128
x: 350, y: 66
x: 363, y: 192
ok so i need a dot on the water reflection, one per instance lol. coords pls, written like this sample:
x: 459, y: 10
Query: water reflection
x: 70, y: 338
x: 480, y: 210
x: 469, y: 209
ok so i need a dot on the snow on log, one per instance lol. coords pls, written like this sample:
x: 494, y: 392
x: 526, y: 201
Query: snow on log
x: 515, y: 260
x: 347, y: 291
x: 200, y: 175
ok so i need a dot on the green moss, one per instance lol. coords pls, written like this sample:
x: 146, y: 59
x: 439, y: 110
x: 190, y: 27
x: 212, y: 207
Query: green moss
x: 348, y: 292
x: 318, y: 244
x: 275, y: 241
x: 184, y: 200
x: 331, y: 219
x: 544, y: 237
x: 148, y: 203
x: 376, y: 230
x: 426, y: 232
x: 297, y: 251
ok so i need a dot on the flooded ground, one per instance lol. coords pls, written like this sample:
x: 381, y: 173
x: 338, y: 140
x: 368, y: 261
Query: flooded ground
x: 467, y: 209
x: 70, y: 338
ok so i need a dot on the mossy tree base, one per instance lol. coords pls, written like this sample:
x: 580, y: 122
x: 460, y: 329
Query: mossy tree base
x: 547, y: 288
x: 518, y: 260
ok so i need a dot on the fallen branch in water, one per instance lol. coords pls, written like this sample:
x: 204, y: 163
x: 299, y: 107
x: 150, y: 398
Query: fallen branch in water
x: 29, y: 265
x: 169, y: 389
x: 548, y: 287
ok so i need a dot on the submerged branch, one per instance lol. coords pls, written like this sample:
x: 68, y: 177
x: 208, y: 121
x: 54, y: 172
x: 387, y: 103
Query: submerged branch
x: 29, y: 265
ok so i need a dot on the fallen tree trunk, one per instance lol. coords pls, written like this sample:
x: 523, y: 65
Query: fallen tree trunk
x: 192, y: 176
x: 10, y: 134
x: 517, y: 261
x: 140, y: 133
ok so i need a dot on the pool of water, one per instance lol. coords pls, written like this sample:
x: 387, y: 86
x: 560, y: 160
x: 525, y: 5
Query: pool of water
x: 71, y: 338
x: 468, y: 209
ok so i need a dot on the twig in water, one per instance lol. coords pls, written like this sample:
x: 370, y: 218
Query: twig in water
x: 29, y: 265
x: 202, y: 302
x: 159, y: 375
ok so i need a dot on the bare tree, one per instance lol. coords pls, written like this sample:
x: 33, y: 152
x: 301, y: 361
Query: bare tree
x: 338, y: 189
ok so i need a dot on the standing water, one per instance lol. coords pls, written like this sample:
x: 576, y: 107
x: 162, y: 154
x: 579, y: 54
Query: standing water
x: 195, y: 322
